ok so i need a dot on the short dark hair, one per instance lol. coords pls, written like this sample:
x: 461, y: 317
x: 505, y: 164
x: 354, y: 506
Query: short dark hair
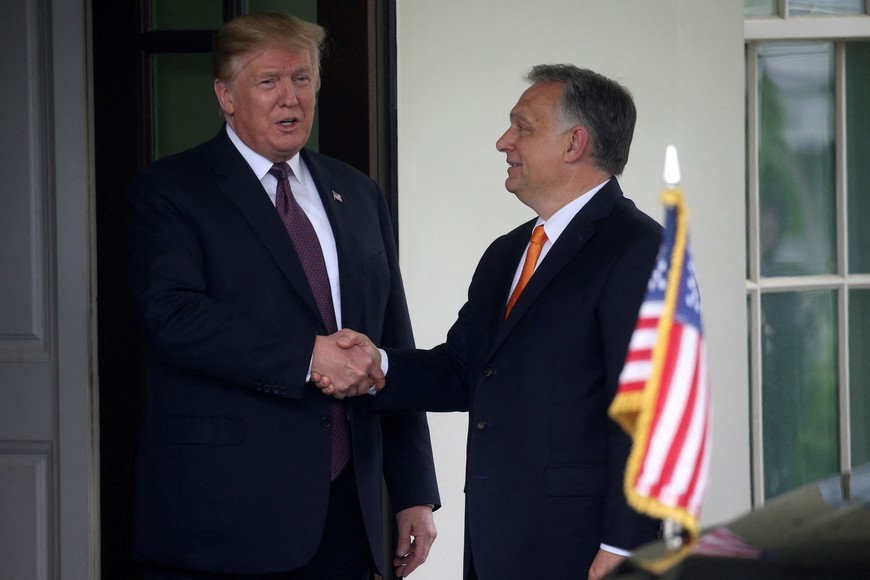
x: 601, y: 105
x: 251, y: 32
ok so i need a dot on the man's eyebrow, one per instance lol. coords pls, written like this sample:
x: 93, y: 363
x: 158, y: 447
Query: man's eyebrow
x: 278, y: 71
x: 519, y: 115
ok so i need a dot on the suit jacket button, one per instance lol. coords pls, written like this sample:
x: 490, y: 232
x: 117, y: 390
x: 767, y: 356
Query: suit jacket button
x: 488, y: 372
x: 481, y: 425
x: 326, y: 421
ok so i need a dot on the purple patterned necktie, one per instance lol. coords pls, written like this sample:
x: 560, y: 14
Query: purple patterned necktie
x: 310, y: 254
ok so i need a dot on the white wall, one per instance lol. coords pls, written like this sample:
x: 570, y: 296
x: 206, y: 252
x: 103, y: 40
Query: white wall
x: 460, y: 69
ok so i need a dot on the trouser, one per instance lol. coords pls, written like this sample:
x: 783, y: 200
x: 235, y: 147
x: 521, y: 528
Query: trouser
x: 343, y: 553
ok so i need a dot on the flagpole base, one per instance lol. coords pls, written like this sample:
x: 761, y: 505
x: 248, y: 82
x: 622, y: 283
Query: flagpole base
x: 673, y: 535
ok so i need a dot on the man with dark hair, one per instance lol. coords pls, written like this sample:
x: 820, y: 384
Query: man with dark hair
x: 246, y: 253
x: 537, y: 350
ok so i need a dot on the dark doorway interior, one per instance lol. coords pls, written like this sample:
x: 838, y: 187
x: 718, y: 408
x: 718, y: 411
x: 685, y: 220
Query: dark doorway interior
x: 357, y: 120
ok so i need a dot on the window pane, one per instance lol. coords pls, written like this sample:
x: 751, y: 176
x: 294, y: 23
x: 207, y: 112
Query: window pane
x: 799, y: 389
x: 304, y: 9
x: 824, y: 7
x: 186, y: 111
x: 859, y: 374
x: 186, y: 15
x: 796, y: 159
x: 858, y: 153
x: 759, y: 8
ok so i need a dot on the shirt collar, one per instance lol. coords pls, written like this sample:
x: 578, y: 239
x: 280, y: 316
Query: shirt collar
x: 259, y: 164
x: 560, y: 220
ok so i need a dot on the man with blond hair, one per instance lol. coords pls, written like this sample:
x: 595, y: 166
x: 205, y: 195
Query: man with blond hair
x: 246, y: 253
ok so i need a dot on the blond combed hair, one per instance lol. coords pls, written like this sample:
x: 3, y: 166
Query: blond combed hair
x: 253, y: 32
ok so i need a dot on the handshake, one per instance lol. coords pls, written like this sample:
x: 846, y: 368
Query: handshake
x: 346, y: 364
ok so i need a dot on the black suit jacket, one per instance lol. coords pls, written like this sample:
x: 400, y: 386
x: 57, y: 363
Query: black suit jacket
x: 544, y: 463
x: 232, y: 471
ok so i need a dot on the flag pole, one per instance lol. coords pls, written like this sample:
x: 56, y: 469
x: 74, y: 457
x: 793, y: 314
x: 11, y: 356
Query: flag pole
x: 662, y: 400
x: 672, y: 530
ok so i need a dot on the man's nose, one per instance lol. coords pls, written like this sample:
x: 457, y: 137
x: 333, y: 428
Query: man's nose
x: 503, y: 143
x: 287, y: 94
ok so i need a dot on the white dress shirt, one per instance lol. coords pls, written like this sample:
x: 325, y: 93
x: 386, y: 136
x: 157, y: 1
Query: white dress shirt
x: 308, y: 198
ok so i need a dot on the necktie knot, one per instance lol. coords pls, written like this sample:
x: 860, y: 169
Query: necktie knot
x: 536, y: 243
x: 280, y: 171
x: 539, y: 236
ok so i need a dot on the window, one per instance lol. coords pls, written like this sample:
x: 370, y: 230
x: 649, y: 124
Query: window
x: 808, y: 262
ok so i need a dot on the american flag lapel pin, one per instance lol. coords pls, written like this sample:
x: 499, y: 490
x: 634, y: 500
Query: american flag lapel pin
x: 336, y: 197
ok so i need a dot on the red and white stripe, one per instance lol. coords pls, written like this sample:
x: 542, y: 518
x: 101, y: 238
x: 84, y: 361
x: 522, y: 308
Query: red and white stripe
x: 638, y: 361
x: 673, y: 467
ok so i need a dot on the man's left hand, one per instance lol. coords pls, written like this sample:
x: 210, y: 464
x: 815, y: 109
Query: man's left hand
x: 416, y: 534
x: 603, y: 563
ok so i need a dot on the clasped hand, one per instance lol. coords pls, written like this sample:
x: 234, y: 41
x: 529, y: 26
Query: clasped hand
x: 346, y: 364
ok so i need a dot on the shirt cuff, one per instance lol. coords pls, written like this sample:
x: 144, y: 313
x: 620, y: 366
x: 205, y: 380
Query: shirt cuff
x: 385, y: 366
x: 617, y: 551
x: 385, y: 361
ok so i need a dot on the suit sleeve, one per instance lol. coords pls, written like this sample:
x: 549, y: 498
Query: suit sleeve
x: 437, y: 380
x: 186, y: 322
x: 409, y: 468
x: 623, y: 526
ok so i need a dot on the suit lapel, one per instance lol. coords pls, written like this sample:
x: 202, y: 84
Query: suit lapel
x: 580, y: 230
x: 242, y: 188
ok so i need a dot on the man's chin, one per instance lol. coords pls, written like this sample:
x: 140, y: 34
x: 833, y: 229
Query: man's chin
x: 283, y: 154
x: 287, y: 148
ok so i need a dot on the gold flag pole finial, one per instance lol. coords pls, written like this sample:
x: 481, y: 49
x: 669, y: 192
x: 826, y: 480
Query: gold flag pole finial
x: 672, y: 195
x: 672, y: 167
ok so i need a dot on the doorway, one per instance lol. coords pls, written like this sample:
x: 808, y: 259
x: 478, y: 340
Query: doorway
x: 152, y: 97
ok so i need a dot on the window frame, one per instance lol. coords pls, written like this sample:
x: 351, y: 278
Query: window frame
x: 837, y: 30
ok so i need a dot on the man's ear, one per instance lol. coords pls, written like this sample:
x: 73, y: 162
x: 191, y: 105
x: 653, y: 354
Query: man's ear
x: 578, y: 139
x: 224, y: 96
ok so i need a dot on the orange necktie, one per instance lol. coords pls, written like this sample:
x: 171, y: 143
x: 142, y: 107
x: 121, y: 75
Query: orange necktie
x: 539, y: 236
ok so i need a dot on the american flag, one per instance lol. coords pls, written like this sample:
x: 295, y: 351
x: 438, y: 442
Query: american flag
x: 663, y: 399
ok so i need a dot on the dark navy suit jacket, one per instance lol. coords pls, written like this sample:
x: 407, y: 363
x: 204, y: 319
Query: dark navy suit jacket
x: 544, y: 462
x: 232, y: 470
